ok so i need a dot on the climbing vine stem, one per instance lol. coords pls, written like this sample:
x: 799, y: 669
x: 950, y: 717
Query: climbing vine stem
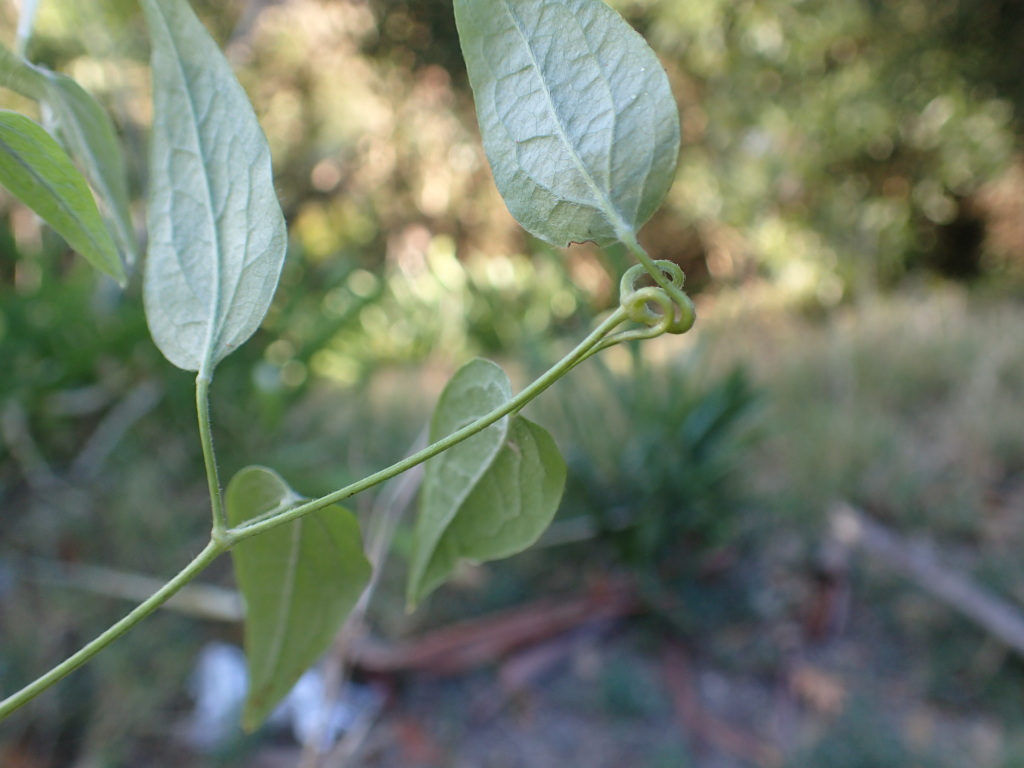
x: 666, y: 280
x: 673, y: 314
x: 210, y: 553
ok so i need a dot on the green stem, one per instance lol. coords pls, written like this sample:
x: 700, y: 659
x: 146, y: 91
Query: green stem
x: 26, y: 22
x: 220, y: 520
x: 566, y: 364
x: 69, y: 665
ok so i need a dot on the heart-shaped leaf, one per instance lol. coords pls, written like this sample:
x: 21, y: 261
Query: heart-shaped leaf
x: 38, y: 172
x: 300, y: 581
x: 477, y: 388
x: 508, y: 509
x: 492, y: 499
x: 577, y: 117
x: 217, y: 235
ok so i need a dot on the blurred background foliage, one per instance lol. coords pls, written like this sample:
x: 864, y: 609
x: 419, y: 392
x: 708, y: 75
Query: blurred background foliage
x: 849, y: 210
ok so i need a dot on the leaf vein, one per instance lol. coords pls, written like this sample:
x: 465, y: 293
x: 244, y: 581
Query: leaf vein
x: 609, y: 211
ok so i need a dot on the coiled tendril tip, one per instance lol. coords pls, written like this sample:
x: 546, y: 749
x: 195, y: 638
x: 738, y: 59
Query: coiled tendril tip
x: 677, y: 313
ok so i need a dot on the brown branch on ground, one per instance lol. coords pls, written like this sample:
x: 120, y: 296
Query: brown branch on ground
x: 472, y: 643
x: 919, y: 563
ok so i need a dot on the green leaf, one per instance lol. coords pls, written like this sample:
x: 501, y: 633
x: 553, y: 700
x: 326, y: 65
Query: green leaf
x: 19, y: 75
x: 39, y: 173
x: 90, y: 138
x: 477, y: 388
x: 508, y: 509
x: 87, y: 133
x: 217, y: 235
x: 299, y: 580
x: 576, y: 114
x: 483, y: 499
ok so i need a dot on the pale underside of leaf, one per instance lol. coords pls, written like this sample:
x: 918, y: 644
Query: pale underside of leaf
x: 299, y: 580
x: 509, y: 507
x: 477, y: 388
x: 39, y: 173
x: 577, y: 117
x: 217, y: 235
x: 26, y: 21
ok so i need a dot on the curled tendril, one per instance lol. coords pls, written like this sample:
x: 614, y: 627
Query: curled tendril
x: 658, y: 309
x: 677, y: 312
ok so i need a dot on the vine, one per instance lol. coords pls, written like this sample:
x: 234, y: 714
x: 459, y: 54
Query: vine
x: 552, y: 111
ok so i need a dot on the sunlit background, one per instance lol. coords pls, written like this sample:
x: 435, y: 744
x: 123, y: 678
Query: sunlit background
x: 849, y: 211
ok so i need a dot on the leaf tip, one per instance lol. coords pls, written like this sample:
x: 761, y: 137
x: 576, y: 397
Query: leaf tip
x: 121, y: 278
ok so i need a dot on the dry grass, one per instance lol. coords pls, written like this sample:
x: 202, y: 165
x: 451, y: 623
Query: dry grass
x: 911, y: 406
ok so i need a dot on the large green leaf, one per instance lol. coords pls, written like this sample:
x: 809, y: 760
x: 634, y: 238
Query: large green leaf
x: 490, y: 496
x: 299, y: 580
x: 217, y: 235
x: 39, y: 173
x: 90, y: 138
x: 576, y: 113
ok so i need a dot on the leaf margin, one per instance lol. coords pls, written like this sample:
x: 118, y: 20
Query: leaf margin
x: 73, y: 215
x: 188, y: 319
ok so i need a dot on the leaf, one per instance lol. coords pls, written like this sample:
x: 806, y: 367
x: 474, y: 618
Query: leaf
x: 477, y: 388
x: 38, y: 172
x: 19, y: 75
x: 90, y: 137
x: 576, y: 114
x: 217, y: 235
x: 508, y: 509
x: 490, y: 500
x: 299, y: 580
x: 87, y: 133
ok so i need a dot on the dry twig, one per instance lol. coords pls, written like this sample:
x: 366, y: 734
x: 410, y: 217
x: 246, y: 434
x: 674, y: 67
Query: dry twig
x: 919, y: 563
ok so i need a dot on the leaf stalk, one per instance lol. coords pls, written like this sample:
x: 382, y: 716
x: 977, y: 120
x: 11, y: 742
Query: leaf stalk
x: 220, y: 519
